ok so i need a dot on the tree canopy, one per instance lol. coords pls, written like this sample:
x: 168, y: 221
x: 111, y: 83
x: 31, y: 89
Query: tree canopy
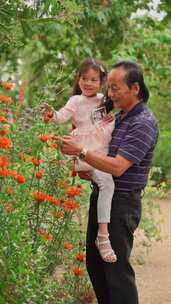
x: 44, y: 41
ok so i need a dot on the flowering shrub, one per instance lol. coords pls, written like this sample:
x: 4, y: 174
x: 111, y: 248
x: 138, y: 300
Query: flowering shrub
x: 39, y: 207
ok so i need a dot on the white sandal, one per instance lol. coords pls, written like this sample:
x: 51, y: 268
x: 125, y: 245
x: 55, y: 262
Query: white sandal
x: 105, y: 249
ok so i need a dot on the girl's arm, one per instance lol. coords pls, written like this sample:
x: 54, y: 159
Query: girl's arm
x: 60, y: 116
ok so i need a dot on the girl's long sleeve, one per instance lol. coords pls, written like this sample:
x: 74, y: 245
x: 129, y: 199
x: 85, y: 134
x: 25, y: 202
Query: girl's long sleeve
x: 64, y: 114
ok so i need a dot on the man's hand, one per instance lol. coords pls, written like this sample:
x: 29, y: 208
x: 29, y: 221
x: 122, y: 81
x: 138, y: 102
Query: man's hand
x: 70, y: 146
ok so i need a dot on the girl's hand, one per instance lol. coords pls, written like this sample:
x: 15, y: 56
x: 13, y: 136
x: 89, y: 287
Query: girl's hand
x: 108, y: 118
x: 45, y: 107
x: 47, y: 110
x: 85, y: 175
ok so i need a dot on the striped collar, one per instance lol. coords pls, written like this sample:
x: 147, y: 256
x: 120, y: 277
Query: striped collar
x: 139, y: 107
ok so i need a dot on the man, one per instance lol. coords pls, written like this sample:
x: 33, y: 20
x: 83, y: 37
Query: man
x: 129, y: 160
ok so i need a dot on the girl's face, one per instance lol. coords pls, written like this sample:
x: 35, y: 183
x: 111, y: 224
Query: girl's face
x: 90, y: 83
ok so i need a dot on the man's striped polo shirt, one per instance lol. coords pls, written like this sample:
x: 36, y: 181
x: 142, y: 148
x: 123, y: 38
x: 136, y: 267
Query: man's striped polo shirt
x: 134, y: 138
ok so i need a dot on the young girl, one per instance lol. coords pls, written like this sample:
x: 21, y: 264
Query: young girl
x: 86, y: 109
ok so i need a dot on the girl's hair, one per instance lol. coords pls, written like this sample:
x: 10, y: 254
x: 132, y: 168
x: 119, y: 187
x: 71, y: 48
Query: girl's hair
x: 86, y: 65
x: 134, y: 74
x: 107, y: 103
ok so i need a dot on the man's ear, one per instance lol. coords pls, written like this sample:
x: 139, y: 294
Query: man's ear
x: 135, y: 88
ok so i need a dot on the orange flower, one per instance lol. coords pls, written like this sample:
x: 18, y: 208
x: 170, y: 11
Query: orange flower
x: 4, y: 162
x: 36, y: 162
x: 58, y: 214
x: 54, y: 146
x: 13, y: 173
x: 78, y: 271
x: 7, y: 85
x: 63, y: 183
x: 9, y: 207
x: 45, y: 137
x: 5, y: 143
x: 80, y: 257
x: 53, y: 200
x: 6, y: 172
x: 68, y: 246
x: 4, y: 131
x: 5, y: 99
x: 73, y: 191
x: 20, y: 179
x: 39, y: 174
x: 70, y: 205
x: 23, y: 156
x: 9, y: 190
x: 3, y: 119
x: 39, y: 196
x: 45, y: 235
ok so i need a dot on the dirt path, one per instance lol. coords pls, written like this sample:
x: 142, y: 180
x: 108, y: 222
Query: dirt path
x: 154, y: 277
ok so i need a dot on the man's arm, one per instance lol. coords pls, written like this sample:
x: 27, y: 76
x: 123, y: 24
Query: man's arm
x: 113, y: 165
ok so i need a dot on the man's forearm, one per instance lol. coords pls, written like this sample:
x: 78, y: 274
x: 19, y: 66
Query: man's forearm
x: 102, y: 162
x: 112, y: 165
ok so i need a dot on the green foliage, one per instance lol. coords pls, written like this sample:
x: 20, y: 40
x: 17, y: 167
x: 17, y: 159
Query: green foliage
x: 53, y: 36
x: 38, y: 214
x: 41, y: 48
x: 150, y: 45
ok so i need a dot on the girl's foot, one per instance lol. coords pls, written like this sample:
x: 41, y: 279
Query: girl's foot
x: 105, y: 249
